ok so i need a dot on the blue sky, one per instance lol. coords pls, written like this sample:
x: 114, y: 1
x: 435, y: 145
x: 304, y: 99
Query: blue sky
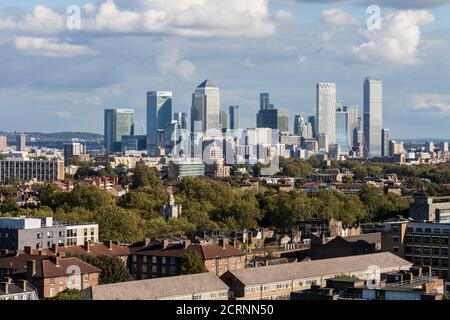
x: 55, y: 79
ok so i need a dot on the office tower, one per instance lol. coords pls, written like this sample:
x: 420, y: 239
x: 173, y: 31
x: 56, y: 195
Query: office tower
x: 224, y: 120
x: 334, y: 151
x: 338, y: 105
x: 313, y: 122
x: 322, y: 141
x: 264, y: 101
x: 385, y: 143
x: 298, y: 121
x: 234, y: 117
x: 326, y: 110
x: 353, y: 124
x: 373, y: 117
x: 205, y: 107
x: 159, y: 116
x: 429, y: 146
x: 73, y: 149
x: 443, y: 146
x: 182, y: 119
x: 21, y: 142
x: 395, y: 148
x: 342, y: 132
x: 134, y: 143
x: 273, y: 119
x: 118, y: 123
x: 3, y: 143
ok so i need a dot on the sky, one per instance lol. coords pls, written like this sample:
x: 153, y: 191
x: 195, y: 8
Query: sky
x: 58, y: 73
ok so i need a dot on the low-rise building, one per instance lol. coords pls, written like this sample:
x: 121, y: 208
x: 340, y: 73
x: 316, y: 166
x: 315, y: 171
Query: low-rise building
x: 277, y: 282
x: 39, y: 170
x: 203, y: 286
x: 18, y: 233
x: 431, y: 209
x: 17, y: 290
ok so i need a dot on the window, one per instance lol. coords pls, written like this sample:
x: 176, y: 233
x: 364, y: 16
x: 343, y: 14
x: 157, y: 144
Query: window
x: 134, y: 258
x: 436, y: 240
x: 435, y: 262
x: 154, y: 269
x: 426, y: 261
x: 437, y: 230
x: 408, y: 239
x: 444, y: 263
x: 154, y: 260
x: 408, y: 249
x: 426, y: 240
x: 52, y: 281
x: 86, y: 277
x: 418, y: 250
x: 427, y: 230
x: 395, y: 229
x: 444, y: 251
x: 396, y: 239
x: 52, y: 292
x: 435, y: 251
x: 163, y: 270
x: 163, y: 260
x: 173, y: 261
x: 418, y: 239
x: 61, y: 280
x: 144, y: 268
x: 50, y: 234
x: 444, y: 240
x: 144, y: 259
x: 173, y: 270
x: 419, y: 230
x: 396, y: 249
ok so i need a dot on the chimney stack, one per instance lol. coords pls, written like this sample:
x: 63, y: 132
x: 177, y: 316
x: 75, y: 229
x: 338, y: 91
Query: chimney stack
x: 55, y: 248
x: 4, y: 286
x: 110, y: 245
x: 165, y: 243
x: 222, y: 243
x: 186, y: 243
x: 31, y: 268
x: 146, y: 242
x: 23, y: 285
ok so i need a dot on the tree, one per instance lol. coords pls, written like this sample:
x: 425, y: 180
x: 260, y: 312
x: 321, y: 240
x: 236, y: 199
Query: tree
x: 113, y: 269
x: 145, y: 176
x: 123, y: 225
x: 69, y: 294
x: 191, y: 263
x: 9, y: 205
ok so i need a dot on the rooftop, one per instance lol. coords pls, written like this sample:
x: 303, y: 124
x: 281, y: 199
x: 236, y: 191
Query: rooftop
x: 161, y: 288
x: 317, y: 268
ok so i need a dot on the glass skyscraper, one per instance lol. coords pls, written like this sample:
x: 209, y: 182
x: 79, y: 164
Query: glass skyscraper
x: 373, y: 117
x: 234, y: 117
x: 326, y: 110
x: 224, y: 120
x: 353, y: 124
x: 205, y: 111
x: 273, y: 119
x: 159, y: 116
x: 118, y: 123
x: 264, y: 101
x: 342, y: 132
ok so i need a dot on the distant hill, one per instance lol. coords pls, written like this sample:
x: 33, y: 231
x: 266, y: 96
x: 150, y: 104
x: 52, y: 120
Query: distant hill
x: 55, y: 137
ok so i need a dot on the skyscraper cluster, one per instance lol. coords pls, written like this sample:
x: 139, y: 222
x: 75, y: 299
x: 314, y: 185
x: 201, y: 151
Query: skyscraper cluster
x: 335, y: 128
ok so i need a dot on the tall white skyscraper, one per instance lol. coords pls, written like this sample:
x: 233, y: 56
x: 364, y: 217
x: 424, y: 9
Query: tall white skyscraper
x: 205, y: 111
x: 326, y: 110
x: 373, y: 117
x: 159, y: 116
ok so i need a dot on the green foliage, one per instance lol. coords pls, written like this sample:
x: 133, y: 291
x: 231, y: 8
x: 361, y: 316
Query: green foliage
x: 191, y: 263
x: 9, y: 205
x: 296, y: 168
x: 148, y: 201
x: 69, y: 294
x: 144, y: 177
x: 113, y: 269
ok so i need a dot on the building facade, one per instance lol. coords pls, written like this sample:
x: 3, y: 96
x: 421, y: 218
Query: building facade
x: 159, y: 117
x: 326, y: 110
x: 205, y: 111
x: 234, y: 117
x: 373, y: 117
x: 40, y: 170
x: 118, y: 123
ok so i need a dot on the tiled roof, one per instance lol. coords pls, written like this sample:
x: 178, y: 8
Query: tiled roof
x: 212, y: 251
x: 48, y: 268
x: 160, y: 288
x: 96, y: 249
x: 317, y: 268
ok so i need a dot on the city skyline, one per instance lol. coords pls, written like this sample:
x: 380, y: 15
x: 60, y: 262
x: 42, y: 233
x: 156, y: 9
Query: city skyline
x: 79, y: 73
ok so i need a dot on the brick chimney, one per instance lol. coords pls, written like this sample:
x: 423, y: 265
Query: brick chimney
x: 222, y: 243
x: 23, y: 285
x: 146, y: 242
x: 4, y: 286
x: 109, y: 243
x: 31, y: 268
x: 87, y: 246
x: 56, y: 260
x: 55, y: 248
x: 27, y: 250
x: 186, y: 243
x: 165, y: 243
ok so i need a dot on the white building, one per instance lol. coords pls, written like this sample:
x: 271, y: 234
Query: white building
x: 373, y: 117
x: 326, y: 110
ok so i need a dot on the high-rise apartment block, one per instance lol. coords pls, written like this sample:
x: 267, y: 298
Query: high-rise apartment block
x: 326, y: 110
x: 73, y: 149
x: 21, y: 142
x: 40, y: 170
x: 385, y: 143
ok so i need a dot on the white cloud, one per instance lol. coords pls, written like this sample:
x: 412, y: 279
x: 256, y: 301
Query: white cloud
x: 42, y: 20
x: 50, y: 47
x: 433, y: 103
x: 201, y: 18
x: 338, y: 17
x: 172, y: 63
x: 63, y: 114
x: 248, y: 63
x: 301, y: 59
x: 398, y: 39
x: 283, y: 16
